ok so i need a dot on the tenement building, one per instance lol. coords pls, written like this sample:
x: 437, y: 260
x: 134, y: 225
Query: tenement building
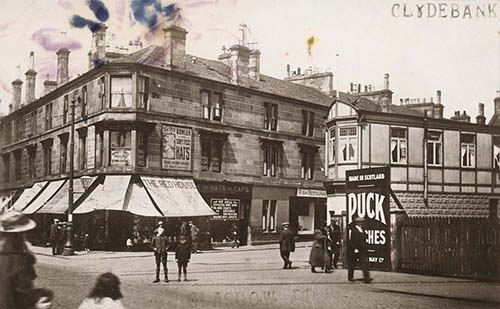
x: 163, y: 134
x: 439, y: 167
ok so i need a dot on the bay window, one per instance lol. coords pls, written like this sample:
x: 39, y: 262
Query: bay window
x: 332, y: 151
x: 121, y: 92
x: 348, y: 144
x: 120, y: 148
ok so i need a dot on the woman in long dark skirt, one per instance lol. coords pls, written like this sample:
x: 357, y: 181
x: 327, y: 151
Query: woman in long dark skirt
x: 318, y: 256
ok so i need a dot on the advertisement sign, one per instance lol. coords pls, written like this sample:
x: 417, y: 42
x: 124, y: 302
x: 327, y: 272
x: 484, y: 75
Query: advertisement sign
x: 226, y: 209
x: 120, y: 157
x: 367, y: 195
x: 176, y: 148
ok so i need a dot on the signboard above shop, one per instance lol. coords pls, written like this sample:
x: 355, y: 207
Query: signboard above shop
x: 176, y: 147
x: 367, y: 196
x: 226, y: 209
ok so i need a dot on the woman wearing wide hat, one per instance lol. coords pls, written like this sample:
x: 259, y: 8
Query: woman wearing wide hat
x: 17, y: 270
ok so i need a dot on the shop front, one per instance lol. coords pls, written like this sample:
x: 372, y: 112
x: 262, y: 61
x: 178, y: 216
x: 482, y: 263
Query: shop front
x: 231, y: 203
x: 307, y: 211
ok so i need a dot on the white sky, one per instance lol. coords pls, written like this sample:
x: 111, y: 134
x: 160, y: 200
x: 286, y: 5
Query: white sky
x: 459, y: 56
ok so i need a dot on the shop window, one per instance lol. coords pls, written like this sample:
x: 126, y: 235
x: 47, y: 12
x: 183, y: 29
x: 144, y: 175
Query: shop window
x: 65, y: 109
x: 102, y: 92
x: 17, y: 165
x: 468, y: 150
x: 270, y: 116
x: 84, y: 101
x: 142, y: 148
x: 82, y: 148
x: 496, y: 153
x: 99, y: 149
x: 6, y: 169
x: 47, y: 159
x: 332, y: 153
x: 307, y: 123
x: 398, y: 145
x: 211, y: 154
x: 348, y: 144
x: 48, y: 116
x: 31, y: 162
x: 212, y: 105
x: 121, y: 92
x: 120, y: 148
x: 63, y: 155
x: 271, y: 156
x: 143, y: 90
x: 307, y: 165
x: 302, y: 215
x: 434, y: 148
x: 269, y: 215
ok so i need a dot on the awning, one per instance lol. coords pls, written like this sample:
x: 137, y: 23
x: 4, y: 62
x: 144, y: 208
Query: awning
x: 28, y: 195
x: 58, y: 204
x: 107, y: 196
x: 176, y: 197
x: 138, y: 202
x: 44, y: 197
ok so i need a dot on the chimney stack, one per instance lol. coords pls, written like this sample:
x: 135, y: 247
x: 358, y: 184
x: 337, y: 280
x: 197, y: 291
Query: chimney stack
x: 386, y: 105
x: 62, y: 65
x: 49, y: 85
x: 438, y: 97
x: 30, y: 80
x: 386, y: 81
x: 175, y: 46
x: 480, y: 118
x: 17, y: 86
x: 254, y: 65
x: 240, y: 56
x: 497, y: 106
x: 98, y: 49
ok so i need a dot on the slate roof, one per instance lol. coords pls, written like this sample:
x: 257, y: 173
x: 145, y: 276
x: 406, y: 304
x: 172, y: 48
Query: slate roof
x: 443, y: 205
x: 218, y: 71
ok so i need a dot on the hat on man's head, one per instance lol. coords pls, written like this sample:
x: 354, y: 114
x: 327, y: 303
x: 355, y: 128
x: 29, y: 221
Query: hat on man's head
x: 56, y: 220
x: 160, y: 222
x: 15, y: 222
x: 359, y: 219
x: 285, y: 223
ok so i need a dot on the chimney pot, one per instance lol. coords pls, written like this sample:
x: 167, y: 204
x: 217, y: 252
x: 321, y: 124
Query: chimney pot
x: 17, y: 86
x: 62, y: 65
x: 386, y: 81
x: 30, y: 80
x: 496, y: 101
x: 480, y: 119
x: 438, y: 97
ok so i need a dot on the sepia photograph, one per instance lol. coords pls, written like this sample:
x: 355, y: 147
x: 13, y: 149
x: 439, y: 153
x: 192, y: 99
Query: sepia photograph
x: 249, y: 154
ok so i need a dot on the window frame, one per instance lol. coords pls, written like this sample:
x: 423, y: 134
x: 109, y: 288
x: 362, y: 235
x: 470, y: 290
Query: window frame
x: 47, y: 158
x: 267, y: 225
x: 307, y: 164
x: 84, y: 102
x: 48, y: 116
x: 271, y: 161
x: 434, y: 143
x: 470, y: 150
x: 18, y: 156
x: 82, y: 150
x: 351, y: 140
x: 63, y: 155
x: 31, y: 162
x: 102, y: 92
x: 128, y: 148
x: 270, y: 116
x: 210, y: 106
x: 215, y: 149
x: 123, y: 93
x: 399, y: 141
x: 6, y: 163
x: 142, y: 136
x: 332, y: 150
x: 307, y: 123
x: 496, y: 152
x: 143, y: 92
x: 65, y: 109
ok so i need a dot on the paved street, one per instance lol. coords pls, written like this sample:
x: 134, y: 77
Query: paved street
x: 252, y: 278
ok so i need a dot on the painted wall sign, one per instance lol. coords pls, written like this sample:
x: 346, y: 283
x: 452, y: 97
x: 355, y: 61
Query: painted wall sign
x: 176, y: 147
x: 367, y: 192
x: 226, y: 209
x: 311, y: 193
x: 120, y: 157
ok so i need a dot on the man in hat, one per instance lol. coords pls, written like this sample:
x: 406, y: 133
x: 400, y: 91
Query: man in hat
x: 159, y: 245
x: 287, y: 245
x: 159, y: 228
x: 357, y: 251
x: 334, y: 236
x: 17, y: 270
x: 194, y: 231
x: 55, y: 230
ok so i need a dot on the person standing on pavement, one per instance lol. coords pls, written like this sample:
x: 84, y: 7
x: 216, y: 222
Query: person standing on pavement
x: 334, y: 237
x: 159, y: 228
x: 235, y: 232
x: 61, y: 238
x: 182, y: 255
x: 55, y: 229
x: 105, y: 294
x: 287, y: 245
x: 357, y: 251
x: 17, y: 272
x: 159, y: 245
x: 319, y: 256
x: 194, y: 231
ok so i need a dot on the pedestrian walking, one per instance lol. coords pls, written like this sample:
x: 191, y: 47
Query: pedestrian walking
x: 194, y: 231
x: 61, y: 237
x: 235, y: 236
x: 334, y: 238
x: 129, y: 244
x: 357, y: 251
x: 182, y: 256
x: 54, y: 231
x: 287, y: 245
x: 159, y: 245
x: 105, y: 294
x: 86, y: 242
x: 318, y: 256
x: 17, y: 271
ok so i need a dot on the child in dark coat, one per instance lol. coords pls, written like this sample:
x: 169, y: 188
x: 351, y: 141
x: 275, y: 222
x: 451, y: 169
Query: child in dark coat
x: 182, y: 255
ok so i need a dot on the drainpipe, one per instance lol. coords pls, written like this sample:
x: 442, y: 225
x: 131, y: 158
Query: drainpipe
x: 426, y: 172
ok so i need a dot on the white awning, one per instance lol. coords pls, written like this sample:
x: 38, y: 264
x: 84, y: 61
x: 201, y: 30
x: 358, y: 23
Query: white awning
x: 28, y: 195
x: 58, y: 204
x: 138, y: 202
x: 47, y: 193
x: 107, y: 196
x: 176, y: 197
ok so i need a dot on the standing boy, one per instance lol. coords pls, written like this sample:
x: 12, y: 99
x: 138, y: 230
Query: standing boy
x: 159, y: 245
x: 182, y: 255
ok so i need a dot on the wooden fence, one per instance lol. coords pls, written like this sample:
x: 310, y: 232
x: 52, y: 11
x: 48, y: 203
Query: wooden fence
x: 449, y: 246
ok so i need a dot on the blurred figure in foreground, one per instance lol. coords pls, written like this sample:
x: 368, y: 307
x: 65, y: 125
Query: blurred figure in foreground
x: 105, y: 294
x: 17, y: 272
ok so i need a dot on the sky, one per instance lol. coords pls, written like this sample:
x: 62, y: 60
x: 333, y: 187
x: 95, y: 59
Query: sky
x: 455, y: 49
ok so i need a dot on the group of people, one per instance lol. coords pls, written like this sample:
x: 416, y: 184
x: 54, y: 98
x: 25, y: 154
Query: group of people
x: 57, y: 237
x: 325, y: 250
x: 17, y: 272
x: 187, y: 244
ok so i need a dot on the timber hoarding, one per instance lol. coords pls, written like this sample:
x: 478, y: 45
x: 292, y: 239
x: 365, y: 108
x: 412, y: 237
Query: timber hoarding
x: 368, y: 194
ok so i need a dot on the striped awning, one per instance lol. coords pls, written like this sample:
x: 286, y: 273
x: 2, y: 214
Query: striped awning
x: 28, y: 195
x: 58, y: 204
x: 48, y: 192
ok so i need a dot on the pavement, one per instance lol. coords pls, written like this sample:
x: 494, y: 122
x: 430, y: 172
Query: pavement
x: 251, y: 277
